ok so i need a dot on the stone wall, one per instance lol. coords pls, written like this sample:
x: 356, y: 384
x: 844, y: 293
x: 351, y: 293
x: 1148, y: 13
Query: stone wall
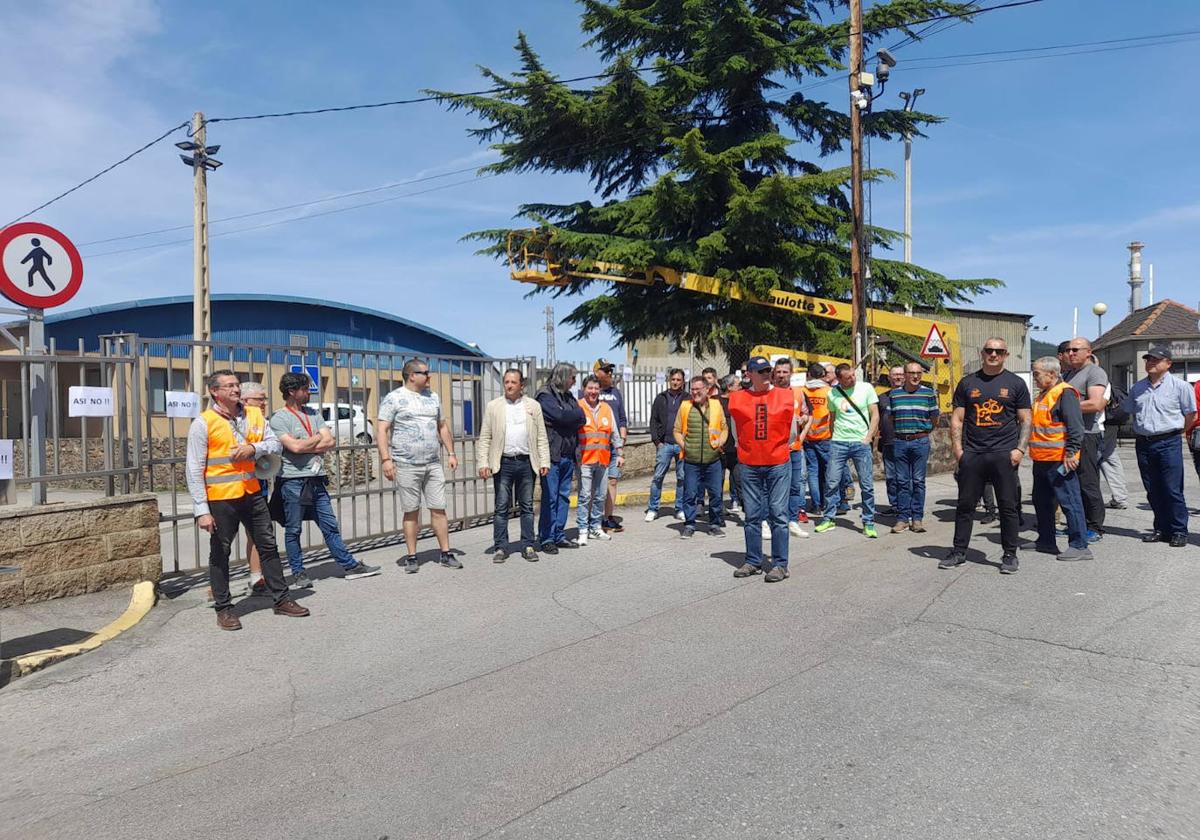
x: 77, y: 547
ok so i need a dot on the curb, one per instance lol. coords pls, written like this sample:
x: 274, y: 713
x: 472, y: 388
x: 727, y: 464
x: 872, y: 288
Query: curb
x: 141, y: 600
x: 636, y: 497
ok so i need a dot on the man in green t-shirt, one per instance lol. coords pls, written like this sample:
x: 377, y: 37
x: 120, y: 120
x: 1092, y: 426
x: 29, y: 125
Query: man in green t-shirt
x: 854, y: 409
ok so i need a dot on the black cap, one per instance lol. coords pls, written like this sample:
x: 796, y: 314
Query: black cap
x: 1162, y: 351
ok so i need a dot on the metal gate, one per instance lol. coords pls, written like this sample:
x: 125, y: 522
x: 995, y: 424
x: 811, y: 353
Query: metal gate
x: 350, y: 384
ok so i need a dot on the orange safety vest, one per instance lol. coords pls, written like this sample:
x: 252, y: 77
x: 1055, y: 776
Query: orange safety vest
x: 716, y: 422
x: 1048, y: 440
x: 798, y: 399
x: 224, y: 478
x: 820, y: 427
x: 595, y: 436
x: 764, y: 425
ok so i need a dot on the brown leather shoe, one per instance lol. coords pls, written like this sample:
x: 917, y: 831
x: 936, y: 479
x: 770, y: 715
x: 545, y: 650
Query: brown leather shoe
x: 226, y: 619
x: 290, y: 608
x: 900, y: 527
x: 918, y: 527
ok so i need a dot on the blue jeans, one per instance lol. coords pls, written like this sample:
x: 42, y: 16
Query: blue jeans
x: 663, y: 457
x: 887, y: 454
x: 592, y: 489
x: 841, y: 454
x: 765, y: 495
x: 515, y: 474
x: 293, y: 515
x: 816, y: 452
x: 796, y: 495
x: 911, y: 458
x: 1051, y: 486
x: 700, y: 479
x: 1161, y: 464
x: 556, y: 502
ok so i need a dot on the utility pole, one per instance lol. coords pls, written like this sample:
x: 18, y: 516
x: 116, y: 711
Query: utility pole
x: 858, y: 102
x: 551, y: 352
x: 202, y: 161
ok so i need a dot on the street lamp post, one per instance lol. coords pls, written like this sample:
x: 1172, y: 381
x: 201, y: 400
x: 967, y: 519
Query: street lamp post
x: 1098, y: 309
x: 910, y: 101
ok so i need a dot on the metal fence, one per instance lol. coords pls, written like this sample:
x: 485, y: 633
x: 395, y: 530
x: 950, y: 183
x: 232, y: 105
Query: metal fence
x: 141, y: 449
x: 639, y: 386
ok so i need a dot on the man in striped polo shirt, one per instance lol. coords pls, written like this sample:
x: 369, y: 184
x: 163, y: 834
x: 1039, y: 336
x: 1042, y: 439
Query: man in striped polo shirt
x: 914, y: 412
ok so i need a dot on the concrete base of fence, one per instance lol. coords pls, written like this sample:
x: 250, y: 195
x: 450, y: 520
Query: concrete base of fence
x: 75, y: 547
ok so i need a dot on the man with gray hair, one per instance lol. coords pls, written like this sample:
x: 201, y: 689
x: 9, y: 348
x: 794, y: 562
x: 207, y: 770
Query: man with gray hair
x: 564, y: 418
x: 1055, y: 442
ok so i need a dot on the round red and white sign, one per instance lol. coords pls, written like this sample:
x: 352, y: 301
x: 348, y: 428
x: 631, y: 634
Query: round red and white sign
x: 39, y: 267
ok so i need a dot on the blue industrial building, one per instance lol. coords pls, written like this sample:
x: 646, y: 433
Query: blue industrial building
x: 239, y: 320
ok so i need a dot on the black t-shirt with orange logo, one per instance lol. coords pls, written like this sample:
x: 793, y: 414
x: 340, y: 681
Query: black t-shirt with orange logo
x: 990, y: 405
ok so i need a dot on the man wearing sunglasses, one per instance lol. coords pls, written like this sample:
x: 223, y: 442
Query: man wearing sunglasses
x: 1090, y: 380
x: 408, y: 433
x: 990, y: 429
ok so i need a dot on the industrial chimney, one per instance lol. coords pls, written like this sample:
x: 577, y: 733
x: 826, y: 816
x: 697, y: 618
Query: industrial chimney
x: 1135, y: 275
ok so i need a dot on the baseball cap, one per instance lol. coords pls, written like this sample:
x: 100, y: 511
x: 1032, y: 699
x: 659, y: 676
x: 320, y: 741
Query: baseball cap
x: 603, y: 364
x: 757, y: 364
x: 1162, y: 351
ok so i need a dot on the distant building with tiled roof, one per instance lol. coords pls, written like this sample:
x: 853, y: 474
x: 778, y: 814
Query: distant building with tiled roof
x: 1120, y: 349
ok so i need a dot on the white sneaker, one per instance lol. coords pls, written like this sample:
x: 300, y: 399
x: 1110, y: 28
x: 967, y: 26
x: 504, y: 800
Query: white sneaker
x: 582, y: 539
x: 679, y: 515
x: 734, y: 508
x: 651, y: 515
x: 598, y: 535
x: 766, y: 531
x: 796, y: 531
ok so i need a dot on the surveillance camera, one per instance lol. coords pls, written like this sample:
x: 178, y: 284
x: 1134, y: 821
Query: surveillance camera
x: 886, y: 57
x: 882, y: 71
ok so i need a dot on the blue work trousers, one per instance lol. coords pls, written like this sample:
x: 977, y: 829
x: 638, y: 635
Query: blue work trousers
x: 765, y: 496
x: 1161, y: 464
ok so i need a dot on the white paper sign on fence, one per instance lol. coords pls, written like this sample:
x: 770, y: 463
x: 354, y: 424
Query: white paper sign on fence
x: 183, y: 404
x: 627, y: 374
x: 87, y: 401
x: 661, y: 377
x: 6, y: 459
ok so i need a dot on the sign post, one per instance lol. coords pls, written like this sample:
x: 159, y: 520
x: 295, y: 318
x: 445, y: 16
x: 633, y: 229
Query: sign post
x: 39, y: 268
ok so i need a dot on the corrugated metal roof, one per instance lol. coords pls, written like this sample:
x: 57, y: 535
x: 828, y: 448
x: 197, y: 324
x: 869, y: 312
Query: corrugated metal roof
x: 1165, y: 319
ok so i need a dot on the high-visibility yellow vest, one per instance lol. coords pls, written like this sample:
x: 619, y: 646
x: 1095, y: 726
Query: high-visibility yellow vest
x: 224, y: 478
x: 595, y: 436
x: 716, y: 422
x: 1048, y: 440
x: 820, y: 427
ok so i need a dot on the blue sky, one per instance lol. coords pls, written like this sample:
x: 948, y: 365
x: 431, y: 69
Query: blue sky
x: 1042, y: 174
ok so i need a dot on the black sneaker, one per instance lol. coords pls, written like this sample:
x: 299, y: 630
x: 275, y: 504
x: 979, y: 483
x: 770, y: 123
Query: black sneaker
x: 954, y: 558
x: 716, y: 531
x: 301, y: 580
x: 612, y: 524
x: 568, y: 543
x: 410, y: 564
x: 499, y: 555
x: 360, y: 570
x: 529, y: 554
x: 549, y: 548
x: 988, y: 518
x: 688, y: 532
x: 1009, y: 563
x: 777, y: 574
x: 746, y: 570
x: 448, y: 560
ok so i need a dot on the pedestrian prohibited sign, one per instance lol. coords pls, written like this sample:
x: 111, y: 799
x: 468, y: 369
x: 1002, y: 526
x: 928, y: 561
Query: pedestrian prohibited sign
x: 935, y: 344
x: 39, y: 267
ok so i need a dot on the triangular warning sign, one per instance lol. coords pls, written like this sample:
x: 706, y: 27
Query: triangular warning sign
x: 935, y: 345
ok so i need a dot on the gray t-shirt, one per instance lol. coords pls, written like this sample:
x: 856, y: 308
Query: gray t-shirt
x: 414, y: 418
x: 1082, y: 380
x: 284, y: 422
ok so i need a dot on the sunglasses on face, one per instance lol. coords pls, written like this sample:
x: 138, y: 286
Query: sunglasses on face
x: 998, y: 351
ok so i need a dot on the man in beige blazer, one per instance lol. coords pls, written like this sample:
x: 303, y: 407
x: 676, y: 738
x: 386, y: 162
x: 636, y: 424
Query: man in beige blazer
x: 513, y: 451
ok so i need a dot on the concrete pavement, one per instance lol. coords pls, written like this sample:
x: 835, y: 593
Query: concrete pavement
x: 636, y: 689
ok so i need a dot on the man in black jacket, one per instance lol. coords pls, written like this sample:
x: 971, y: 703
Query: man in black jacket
x: 564, y: 418
x: 662, y: 421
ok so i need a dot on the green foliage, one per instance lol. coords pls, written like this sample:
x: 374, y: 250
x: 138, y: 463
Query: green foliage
x: 701, y: 163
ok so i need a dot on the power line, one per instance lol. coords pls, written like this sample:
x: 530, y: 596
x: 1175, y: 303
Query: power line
x: 104, y: 171
x: 590, y: 77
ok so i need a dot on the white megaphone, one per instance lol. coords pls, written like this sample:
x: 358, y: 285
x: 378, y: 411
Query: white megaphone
x: 267, y: 466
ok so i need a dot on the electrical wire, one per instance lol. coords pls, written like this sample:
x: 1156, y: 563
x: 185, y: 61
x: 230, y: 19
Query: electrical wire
x: 104, y: 171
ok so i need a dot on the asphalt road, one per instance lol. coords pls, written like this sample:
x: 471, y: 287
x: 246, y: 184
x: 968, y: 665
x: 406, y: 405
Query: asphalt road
x: 635, y: 689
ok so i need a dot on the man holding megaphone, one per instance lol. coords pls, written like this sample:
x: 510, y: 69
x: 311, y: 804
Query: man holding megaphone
x: 305, y: 438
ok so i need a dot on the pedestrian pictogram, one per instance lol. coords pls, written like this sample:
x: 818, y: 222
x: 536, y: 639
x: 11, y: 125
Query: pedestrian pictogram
x: 39, y: 266
x: 935, y: 345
